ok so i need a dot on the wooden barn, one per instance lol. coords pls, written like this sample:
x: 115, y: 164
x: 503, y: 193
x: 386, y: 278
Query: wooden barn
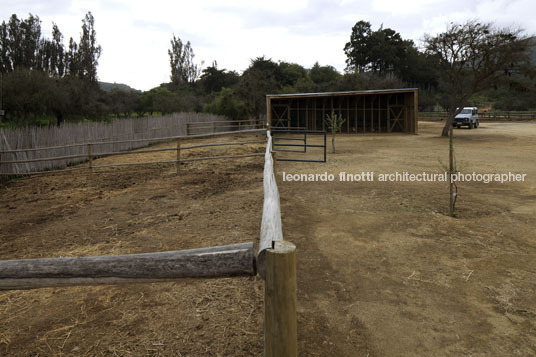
x: 369, y: 111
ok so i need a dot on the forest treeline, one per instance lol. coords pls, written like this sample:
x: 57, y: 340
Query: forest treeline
x: 45, y: 81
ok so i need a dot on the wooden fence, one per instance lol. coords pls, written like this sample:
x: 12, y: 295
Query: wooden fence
x: 32, y: 159
x: 223, y: 125
x: 275, y: 261
x: 89, y: 155
x: 69, y: 141
x: 488, y: 116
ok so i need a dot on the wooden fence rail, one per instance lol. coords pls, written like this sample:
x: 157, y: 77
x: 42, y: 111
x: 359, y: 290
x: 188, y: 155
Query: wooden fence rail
x: 90, y: 154
x: 213, y: 262
x: 271, y: 228
x: 106, y: 154
x: 71, y: 139
x: 276, y: 263
x: 215, y: 126
x: 488, y: 116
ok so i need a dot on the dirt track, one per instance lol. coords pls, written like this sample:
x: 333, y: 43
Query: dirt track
x: 382, y: 271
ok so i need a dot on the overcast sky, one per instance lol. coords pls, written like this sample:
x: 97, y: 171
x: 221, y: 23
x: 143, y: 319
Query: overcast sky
x: 135, y: 34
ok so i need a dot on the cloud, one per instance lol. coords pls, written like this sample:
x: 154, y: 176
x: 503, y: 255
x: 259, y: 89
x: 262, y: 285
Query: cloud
x: 135, y: 34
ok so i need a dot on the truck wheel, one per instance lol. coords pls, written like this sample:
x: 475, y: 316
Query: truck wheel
x: 470, y: 125
x: 477, y: 124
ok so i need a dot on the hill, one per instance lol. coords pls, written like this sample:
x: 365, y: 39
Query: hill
x: 108, y: 87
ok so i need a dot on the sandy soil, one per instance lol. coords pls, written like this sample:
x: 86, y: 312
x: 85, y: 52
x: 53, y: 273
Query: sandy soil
x: 382, y: 271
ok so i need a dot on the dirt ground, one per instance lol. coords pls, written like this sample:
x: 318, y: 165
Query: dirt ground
x: 382, y: 271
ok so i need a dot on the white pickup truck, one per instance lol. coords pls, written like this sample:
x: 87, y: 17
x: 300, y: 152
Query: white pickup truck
x: 468, y: 116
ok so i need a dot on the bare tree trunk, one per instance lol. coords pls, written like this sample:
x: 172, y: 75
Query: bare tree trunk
x: 448, y: 124
x: 333, y: 141
x: 451, y: 172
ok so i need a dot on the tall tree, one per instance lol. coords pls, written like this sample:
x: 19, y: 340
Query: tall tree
x: 381, y: 51
x: 472, y: 57
x: 57, y: 63
x: 357, y: 50
x: 72, y: 62
x: 31, y: 36
x: 88, y: 50
x: 181, y: 59
x: 386, y: 53
x: 5, y: 60
x: 262, y: 77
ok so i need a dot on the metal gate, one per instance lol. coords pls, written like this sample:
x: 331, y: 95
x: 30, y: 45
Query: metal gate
x: 297, y: 137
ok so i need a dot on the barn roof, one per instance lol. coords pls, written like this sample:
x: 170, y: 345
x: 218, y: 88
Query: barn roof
x: 331, y: 94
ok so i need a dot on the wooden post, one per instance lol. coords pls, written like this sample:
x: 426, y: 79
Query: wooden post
x: 307, y: 114
x: 372, y: 114
x: 280, y: 323
x: 90, y: 158
x: 389, y: 113
x: 178, y: 156
x: 379, y: 114
x: 348, y: 114
x: 324, y: 114
x: 364, y: 124
x: 452, y: 194
x: 355, y: 114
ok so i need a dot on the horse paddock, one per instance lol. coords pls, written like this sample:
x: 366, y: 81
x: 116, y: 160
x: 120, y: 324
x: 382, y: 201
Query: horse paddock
x: 381, y: 269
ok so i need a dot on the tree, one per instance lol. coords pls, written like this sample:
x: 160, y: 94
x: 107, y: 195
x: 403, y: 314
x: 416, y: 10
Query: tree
x: 323, y: 75
x: 262, y: 77
x: 471, y: 58
x: 214, y: 79
x: 72, y: 62
x: 357, y: 50
x: 228, y: 105
x: 181, y: 60
x: 57, y: 64
x: 334, y: 122
x: 291, y: 73
x: 381, y: 51
x: 386, y: 53
x: 88, y: 50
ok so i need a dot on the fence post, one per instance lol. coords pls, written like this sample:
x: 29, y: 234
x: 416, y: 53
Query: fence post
x: 1, y: 151
x: 178, y: 156
x: 90, y: 159
x: 280, y: 322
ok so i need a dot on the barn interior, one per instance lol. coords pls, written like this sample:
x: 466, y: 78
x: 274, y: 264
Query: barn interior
x: 371, y: 111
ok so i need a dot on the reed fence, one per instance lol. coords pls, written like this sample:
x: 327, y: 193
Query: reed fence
x: 89, y: 155
x: 36, y: 149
